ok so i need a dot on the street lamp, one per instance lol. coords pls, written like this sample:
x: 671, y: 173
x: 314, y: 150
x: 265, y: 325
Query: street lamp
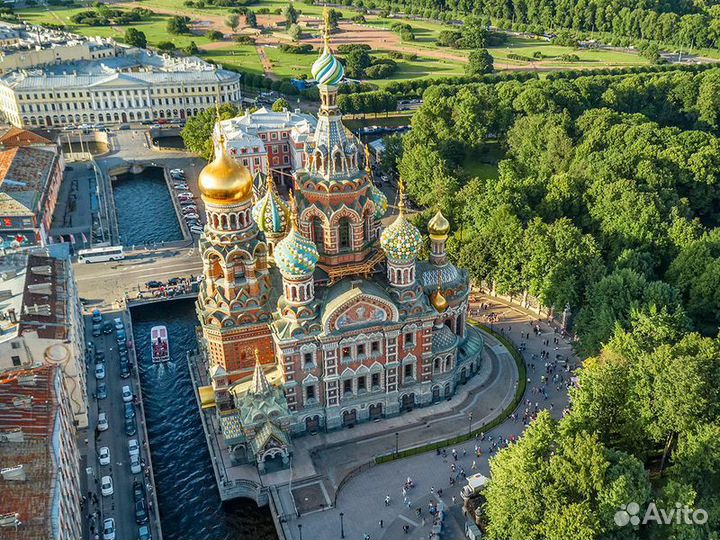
x: 469, y: 423
x: 300, y: 530
x: 397, y: 436
x: 342, y: 528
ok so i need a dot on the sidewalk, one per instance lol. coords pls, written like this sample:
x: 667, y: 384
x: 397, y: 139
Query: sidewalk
x: 361, y: 499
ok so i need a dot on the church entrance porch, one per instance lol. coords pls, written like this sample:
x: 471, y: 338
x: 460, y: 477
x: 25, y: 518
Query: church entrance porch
x: 376, y: 411
x: 273, y: 459
x: 407, y: 402
x: 435, y: 394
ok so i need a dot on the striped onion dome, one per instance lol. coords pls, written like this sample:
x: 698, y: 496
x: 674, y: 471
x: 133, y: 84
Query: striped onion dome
x: 380, y: 201
x: 295, y: 255
x: 271, y: 213
x: 327, y: 70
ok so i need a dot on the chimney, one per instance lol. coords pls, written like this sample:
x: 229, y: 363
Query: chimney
x: 12, y: 315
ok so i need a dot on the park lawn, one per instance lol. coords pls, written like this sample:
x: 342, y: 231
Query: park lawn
x: 484, y: 162
x: 289, y: 64
x: 235, y: 56
x: 420, y: 68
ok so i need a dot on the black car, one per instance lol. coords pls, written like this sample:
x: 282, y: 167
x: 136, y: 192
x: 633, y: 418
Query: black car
x: 141, y: 515
x: 122, y: 348
x: 138, y: 491
x: 154, y: 284
x: 173, y: 281
x: 129, y: 410
x: 124, y: 369
x: 102, y: 391
x: 96, y: 330
x: 99, y: 356
x: 130, y: 428
x: 107, y: 327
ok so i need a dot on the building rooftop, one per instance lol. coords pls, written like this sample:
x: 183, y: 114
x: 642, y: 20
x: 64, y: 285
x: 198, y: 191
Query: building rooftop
x: 28, y: 404
x: 137, y: 66
x: 245, y: 129
x: 16, y: 136
x: 24, y: 171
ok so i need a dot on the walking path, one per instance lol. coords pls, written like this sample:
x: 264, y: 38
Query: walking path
x: 362, y: 498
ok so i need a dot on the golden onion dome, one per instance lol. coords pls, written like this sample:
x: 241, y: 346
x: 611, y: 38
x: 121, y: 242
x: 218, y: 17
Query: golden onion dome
x: 224, y: 180
x: 438, y: 225
x: 438, y: 301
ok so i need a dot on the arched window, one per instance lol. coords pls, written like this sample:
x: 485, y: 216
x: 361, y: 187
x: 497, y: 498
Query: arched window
x: 338, y: 163
x: 344, y: 233
x: 318, y: 234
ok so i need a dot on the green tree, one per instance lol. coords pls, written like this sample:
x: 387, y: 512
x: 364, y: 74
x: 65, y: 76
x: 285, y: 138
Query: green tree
x: 214, y: 35
x: 290, y: 14
x: 192, y: 49
x: 178, y: 25
x: 135, y: 38
x: 356, y: 61
x: 251, y: 19
x: 233, y: 21
x: 479, y: 62
x: 295, y: 32
x: 197, y: 133
x: 280, y: 105
x: 474, y: 33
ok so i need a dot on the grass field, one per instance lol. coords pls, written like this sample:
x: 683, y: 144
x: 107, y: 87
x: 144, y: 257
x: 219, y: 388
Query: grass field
x: 432, y: 61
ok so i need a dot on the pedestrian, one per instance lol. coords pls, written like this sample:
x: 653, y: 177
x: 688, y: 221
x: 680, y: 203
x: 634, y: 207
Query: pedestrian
x: 432, y: 490
x: 387, y: 500
x: 381, y: 523
x: 406, y: 528
x: 453, y: 499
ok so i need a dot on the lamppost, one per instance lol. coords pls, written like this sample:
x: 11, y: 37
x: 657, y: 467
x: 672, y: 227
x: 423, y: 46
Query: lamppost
x: 300, y: 530
x: 397, y: 436
x: 469, y: 423
x: 342, y: 528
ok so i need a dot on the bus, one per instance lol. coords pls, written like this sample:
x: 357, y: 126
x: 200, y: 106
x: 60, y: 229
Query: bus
x: 101, y: 254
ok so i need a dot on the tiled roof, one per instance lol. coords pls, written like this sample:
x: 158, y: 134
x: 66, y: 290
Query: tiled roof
x: 27, y: 402
x: 24, y: 172
x: 10, y: 207
x: 443, y: 339
x: 21, y: 137
x: 44, y: 306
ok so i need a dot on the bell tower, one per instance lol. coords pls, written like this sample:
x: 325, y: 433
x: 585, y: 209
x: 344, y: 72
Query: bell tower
x: 233, y: 304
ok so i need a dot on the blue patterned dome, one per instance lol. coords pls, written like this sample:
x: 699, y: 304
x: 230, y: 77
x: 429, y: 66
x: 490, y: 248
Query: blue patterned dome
x: 295, y: 255
x: 271, y: 213
x: 327, y: 70
x: 401, y: 241
x: 380, y: 200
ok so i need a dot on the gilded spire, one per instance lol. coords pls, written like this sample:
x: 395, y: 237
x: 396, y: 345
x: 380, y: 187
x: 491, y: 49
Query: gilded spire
x: 269, y: 180
x: 368, y: 169
x: 293, y: 210
x: 401, y: 196
x: 326, y: 29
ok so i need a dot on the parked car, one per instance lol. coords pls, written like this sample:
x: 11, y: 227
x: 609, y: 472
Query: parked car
x: 96, y: 316
x: 99, y: 356
x: 121, y: 337
x: 100, y: 371
x: 124, y: 369
x: 130, y: 427
x: 107, y: 327
x: 195, y: 229
x: 141, y: 515
x: 109, y: 529
x: 102, y: 391
x: 102, y: 423
x: 122, y: 348
x: 154, y: 284
x: 191, y: 216
x: 138, y: 491
x: 118, y: 324
x: 135, y: 464
x: 96, y: 330
x: 180, y: 186
x: 133, y: 447
x: 104, y: 456
x: 186, y: 194
x: 144, y: 533
x: 127, y: 394
x: 129, y: 410
x: 106, y: 486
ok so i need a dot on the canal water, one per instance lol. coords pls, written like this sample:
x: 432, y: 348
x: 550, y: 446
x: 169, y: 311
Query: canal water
x: 189, y: 503
x: 144, y: 209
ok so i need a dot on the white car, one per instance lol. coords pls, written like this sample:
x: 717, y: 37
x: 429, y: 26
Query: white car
x: 104, y: 456
x: 188, y: 208
x: 133, y: 447
x: 127, y: 394
x: 109, y: 529
x: 176, y: 171
x: 185, y: 194
x: 196, y: 229
x: 191, y: 216
x: 106, y: 486
x: 181, y: 186
x: 118, y: 324
x: 102, y: 423
x: 135, y: 466
x: 99, y: 371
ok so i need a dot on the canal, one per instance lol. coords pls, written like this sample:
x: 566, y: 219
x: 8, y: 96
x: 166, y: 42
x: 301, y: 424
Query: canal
x: 189, y: 503
x: 145, y: 211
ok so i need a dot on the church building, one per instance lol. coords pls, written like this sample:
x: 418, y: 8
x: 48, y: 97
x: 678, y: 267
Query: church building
x: 314, y: 316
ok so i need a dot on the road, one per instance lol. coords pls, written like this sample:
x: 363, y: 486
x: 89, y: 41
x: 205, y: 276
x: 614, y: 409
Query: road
x: 120, y: 505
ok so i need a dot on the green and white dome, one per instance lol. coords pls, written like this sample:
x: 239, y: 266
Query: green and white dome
x: 295, y: 255
x: 271, y: 213
x: 380, y: 201
x: 401, y: 241
x: 327, y: 70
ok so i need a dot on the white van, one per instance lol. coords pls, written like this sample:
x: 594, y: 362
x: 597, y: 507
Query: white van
x: 475, y: 484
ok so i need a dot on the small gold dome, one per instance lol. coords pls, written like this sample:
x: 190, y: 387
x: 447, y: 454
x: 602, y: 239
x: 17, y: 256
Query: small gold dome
x: 224, y: 180
x: 438, y: 301
x: 438, y: 225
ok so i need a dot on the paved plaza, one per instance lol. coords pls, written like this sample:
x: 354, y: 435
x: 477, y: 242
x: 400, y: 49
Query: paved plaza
x: 362, y: 498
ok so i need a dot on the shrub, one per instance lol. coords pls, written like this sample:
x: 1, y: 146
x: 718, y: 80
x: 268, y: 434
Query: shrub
x: 359, y: 19
x: 407, y: 35
x: 244, y: 40
x: 305, y: 48
x: 569, y: 58
x: 380, y: 71
x: 214, y: 35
